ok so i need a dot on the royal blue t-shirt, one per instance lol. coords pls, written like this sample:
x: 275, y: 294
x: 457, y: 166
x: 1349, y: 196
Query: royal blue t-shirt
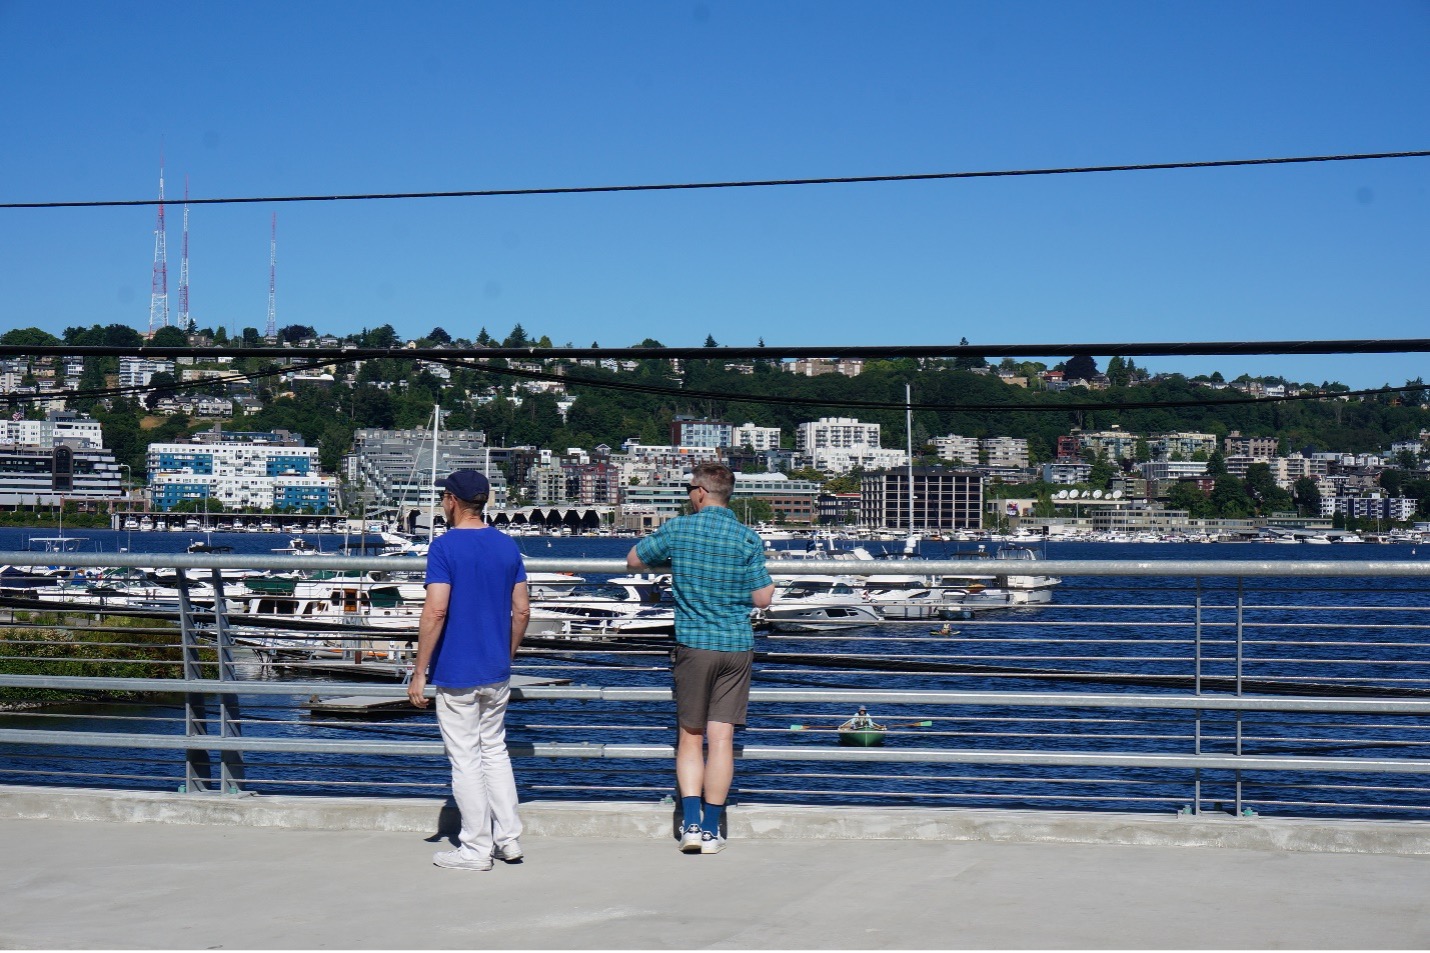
x: 482, y: 566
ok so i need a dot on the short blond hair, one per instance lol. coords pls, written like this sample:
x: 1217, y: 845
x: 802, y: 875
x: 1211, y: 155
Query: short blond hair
x: 717, y: 479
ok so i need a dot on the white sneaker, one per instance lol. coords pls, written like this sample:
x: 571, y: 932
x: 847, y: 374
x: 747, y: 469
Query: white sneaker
x: 711, y: 843
x: 510, y: 854
x: 690, y: 839
x: 456, y: 860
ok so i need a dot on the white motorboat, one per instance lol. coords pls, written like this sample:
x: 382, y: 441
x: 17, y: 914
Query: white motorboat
x: 819, y: 604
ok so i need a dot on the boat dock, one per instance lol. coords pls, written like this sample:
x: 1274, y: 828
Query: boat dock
x: 595, y: 876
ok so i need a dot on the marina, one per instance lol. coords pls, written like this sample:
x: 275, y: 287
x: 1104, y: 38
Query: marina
x: 990, y: 680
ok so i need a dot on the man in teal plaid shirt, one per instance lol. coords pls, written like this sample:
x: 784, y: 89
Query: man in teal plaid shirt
x: 717, y: 567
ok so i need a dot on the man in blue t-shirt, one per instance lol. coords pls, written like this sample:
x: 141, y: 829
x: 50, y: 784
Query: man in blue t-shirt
x: 472, y: 623
x: 717, y: 567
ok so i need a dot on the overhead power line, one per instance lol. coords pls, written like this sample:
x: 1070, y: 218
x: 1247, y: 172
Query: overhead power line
x: 735, y: 184
x: 1064, y: 406
x: 868, y: 352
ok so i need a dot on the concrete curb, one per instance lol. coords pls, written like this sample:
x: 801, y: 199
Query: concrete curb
x: 766, y: 822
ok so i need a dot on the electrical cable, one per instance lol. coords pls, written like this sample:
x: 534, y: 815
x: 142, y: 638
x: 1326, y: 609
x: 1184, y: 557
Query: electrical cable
x: 728, y: 397
x: 736, y: 184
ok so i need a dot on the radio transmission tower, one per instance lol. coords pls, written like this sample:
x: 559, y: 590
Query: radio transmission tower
x: 159, y: 294
x: 272, y: 333
x: 184, y: 320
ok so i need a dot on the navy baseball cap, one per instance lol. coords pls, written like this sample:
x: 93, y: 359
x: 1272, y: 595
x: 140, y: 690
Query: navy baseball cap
x: 466, y: 484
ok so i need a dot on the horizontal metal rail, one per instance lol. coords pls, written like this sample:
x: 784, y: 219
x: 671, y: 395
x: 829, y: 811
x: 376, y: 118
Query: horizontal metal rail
x: 1191, y: 568
x: 587, y: 750
x: 1362, y: 706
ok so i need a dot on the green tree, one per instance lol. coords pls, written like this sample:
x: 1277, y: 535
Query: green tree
x: 751, y: 510
x: 1306, y: 493
x: 29, y: 337
x: 169, y: 336
x: 1265, y: 494
x: 1186, y: 495
x: 1229, y: 498
x: 1102, y: 472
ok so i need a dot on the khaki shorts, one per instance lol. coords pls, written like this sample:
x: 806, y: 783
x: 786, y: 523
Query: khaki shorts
x: 711, y: 686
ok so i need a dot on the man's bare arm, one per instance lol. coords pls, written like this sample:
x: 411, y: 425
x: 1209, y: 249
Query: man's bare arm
x: 520, y: 615
x: 429, y: 630
x: 763, y: 596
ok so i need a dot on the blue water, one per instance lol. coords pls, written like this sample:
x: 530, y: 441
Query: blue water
x: 1102, y: 635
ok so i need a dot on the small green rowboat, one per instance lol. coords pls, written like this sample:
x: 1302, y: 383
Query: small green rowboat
x: 861, y: 731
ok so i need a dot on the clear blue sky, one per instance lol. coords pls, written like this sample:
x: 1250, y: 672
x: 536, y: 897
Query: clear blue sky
x: 269, y: 98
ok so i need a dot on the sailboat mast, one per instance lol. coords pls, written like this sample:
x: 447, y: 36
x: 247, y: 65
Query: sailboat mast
x: 909, y: 433
x: 432, y: 506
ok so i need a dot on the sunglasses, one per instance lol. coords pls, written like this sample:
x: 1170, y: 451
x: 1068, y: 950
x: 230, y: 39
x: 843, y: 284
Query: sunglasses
x: 694, y: 486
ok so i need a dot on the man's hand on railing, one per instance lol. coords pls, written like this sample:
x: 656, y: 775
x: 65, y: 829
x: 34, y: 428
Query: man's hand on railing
x: 415, y: 689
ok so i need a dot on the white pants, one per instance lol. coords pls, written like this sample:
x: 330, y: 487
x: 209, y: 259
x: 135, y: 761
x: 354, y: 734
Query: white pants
x: 473, y: 723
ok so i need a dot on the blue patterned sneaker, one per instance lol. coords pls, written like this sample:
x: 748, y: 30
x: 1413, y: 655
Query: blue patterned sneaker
x: 690, y: 839
x: 711, y: 843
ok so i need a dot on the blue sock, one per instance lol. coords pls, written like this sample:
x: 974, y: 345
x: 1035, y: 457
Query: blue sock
x: 711, y: 821
x: 691, y: 807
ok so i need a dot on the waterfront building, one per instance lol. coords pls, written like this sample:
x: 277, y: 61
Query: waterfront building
x: 240, y: 474
x: 755, y: 438
x: 790, y: 501
x: 686, y: 431
x: 32, y: 477
x: 943, y: 499
x: 1131, y: 519
x: 394, y: 467
x: 1373, y: 506
x: 59, y: 427
x: 837, y: 508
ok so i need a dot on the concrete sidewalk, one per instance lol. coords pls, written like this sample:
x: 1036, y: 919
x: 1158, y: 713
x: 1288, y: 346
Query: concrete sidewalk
x: 98, y: 884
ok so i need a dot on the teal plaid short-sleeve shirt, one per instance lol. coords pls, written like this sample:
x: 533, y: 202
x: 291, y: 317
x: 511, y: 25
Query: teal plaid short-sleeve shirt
x: 715, y: 563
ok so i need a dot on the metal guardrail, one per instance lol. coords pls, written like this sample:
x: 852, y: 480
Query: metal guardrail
x: 1179, y: 759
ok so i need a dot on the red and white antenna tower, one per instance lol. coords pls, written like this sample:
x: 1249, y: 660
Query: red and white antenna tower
x: 159, y: 293
x: 272, y: 333
x: 184, y: 320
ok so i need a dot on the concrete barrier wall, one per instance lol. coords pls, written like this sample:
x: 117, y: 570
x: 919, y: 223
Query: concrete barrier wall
x: 656, y: 820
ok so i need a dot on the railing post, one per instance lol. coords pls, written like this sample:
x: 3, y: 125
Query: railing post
x: 1240, y: 652
x: 198, y: 770
x: 231, y: 769
x: 1197, y: 687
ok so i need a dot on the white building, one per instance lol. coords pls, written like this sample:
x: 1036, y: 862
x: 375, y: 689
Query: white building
x: 240, y: 475
x: 1163, y: 470
x: 756, y: 438
x: 836, y: 432
x: 841, y: 460
x: 956, y: 448
x: 58, y: 426
x: 138, y: 371
x: 1004, y: 451
x: 1000, y: 452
